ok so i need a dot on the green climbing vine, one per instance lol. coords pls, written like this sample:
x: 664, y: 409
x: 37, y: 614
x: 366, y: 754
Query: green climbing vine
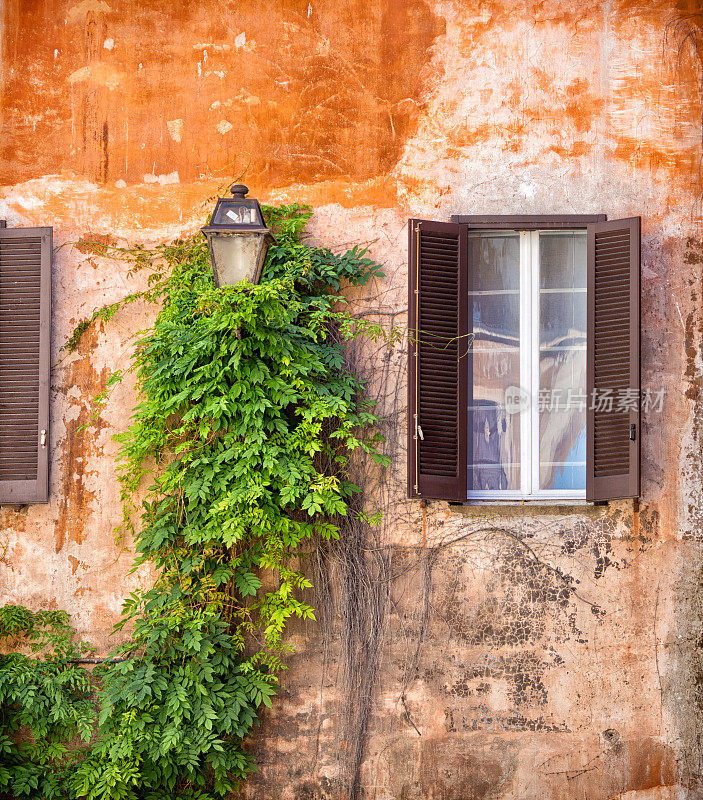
x: 45, y: 703
x: 238, y: 451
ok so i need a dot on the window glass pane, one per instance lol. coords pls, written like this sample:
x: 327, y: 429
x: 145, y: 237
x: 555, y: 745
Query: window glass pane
x: 562, y: 318
x: 494, y: 305
x: 496, y: 319
x: 495, y: 262
x: 562, y: 361
x: 562, y: 419
x: 562, y: 260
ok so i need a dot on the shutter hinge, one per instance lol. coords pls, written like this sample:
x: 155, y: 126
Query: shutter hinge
x: 633, y: 432
x: 43, y: 438
x: 418, y: 429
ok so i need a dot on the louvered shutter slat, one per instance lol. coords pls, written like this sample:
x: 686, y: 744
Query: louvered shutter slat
x: 25, y: 319
x: 438, y: 377
x: 613, y: 457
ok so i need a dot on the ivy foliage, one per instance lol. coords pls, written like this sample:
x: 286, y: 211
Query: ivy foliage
x: 45, y: 704
x: 246, y: 421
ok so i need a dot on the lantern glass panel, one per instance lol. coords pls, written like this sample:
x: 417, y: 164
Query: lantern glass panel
x: 237, y: 256
x: 237, y: 213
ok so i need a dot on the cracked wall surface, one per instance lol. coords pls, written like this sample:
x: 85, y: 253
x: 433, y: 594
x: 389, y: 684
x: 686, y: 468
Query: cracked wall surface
x: 519, y: 652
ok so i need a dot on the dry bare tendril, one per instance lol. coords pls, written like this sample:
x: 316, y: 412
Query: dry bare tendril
x: 359, y: 578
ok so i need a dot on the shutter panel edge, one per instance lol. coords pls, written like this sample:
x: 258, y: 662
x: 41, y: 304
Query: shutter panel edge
x: 619, y: 476
x: 446, y: 445
x: 21, y: 491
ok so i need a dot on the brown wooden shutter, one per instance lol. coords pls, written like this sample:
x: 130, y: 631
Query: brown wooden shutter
x: 613, y: 430
x: 438, y: 369
x: 25, y: 323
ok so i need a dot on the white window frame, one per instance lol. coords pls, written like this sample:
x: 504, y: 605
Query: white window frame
x: 529, y: 289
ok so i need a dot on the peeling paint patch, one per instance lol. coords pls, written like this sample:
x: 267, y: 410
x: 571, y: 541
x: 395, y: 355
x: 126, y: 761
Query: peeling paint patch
x: 97, y: 74
x: 162, y: 180
x: 75, y: 563
x: 80, y: 11
x: 77, y: 499
x: 175, y: 129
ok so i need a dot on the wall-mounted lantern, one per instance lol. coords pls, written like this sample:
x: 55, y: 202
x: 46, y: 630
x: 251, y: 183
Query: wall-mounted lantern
x: 238, y: 238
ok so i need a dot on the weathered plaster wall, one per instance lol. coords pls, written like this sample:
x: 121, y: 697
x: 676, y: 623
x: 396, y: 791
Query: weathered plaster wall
x: 493, y: 679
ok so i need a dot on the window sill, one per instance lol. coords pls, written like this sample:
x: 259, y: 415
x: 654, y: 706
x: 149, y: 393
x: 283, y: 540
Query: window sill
x: 531, y: 502
x: 521, y: 508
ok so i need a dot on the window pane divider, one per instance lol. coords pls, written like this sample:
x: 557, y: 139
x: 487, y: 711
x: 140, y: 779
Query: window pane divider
x: 534, y: 340
x: 492, y: 292
x: 526, y: 352
x: 570, y: 289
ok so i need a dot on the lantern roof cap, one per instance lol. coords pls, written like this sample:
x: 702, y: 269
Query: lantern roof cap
x: 219, y: 225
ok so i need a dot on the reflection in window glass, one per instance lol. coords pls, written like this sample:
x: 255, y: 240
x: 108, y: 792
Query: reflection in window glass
x: 562, y: 260
x: 494, y: 306
x: 562, y: 361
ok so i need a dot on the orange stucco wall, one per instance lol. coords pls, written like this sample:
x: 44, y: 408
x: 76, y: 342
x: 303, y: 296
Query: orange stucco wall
x: 123, y: 119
